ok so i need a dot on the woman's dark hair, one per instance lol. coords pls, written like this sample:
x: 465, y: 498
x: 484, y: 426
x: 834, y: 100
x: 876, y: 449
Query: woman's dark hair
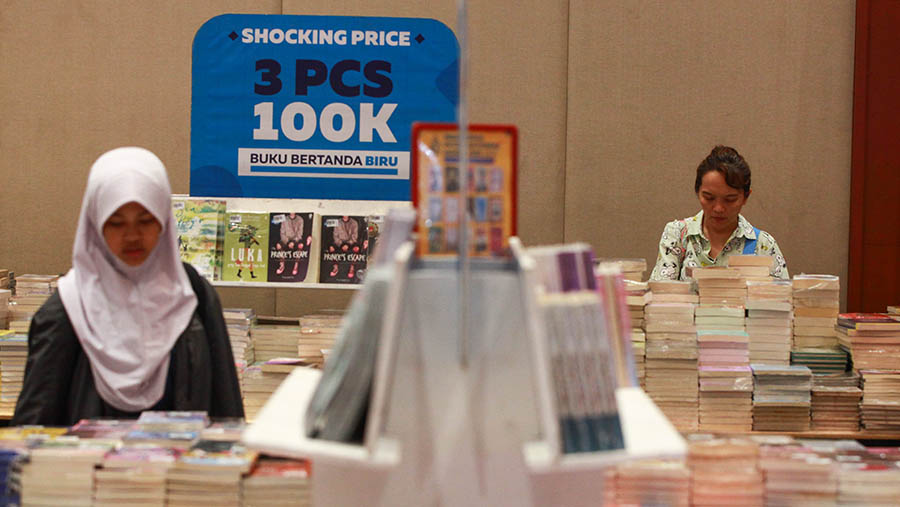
x: 730, y: 163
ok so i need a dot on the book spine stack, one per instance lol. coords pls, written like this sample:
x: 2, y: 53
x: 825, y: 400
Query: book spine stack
x: 725, y: 472
x: 835, y: 402
x: 816, y: 307
x: 781, y: 398
x: 769, y: 321
x: 671, y: 357
x: 582, y: 356
x: 880, y: 406
x: 637, y: 295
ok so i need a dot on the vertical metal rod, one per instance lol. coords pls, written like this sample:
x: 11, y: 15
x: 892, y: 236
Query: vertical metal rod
x: 462, y: 29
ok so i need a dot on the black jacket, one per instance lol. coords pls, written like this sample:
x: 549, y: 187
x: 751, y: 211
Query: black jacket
x: 58, y: 389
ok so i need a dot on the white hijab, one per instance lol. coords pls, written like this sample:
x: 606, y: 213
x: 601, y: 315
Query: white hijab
x: 127, y: 318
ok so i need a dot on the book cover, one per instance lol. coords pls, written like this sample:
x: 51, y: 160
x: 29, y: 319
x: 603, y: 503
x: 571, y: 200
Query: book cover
x: 868, y: 321
x: 345, y: 244
x: 200, y: 224
x: 290, y: 244
x: 246, y: 247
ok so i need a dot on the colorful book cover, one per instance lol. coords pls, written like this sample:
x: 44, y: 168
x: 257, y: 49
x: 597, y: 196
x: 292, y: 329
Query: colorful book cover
x: 200, y: 225
x: 246, y: 247
x: 344, y: 248
x: 290, y: 244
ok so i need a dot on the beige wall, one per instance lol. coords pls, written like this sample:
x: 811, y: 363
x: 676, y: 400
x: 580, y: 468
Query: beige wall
x: 616, y: 103
x: 655, y: 84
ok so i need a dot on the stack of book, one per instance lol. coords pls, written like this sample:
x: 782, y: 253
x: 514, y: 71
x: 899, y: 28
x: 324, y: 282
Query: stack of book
x: 13, y: 355
x: 821, y: 361
x: 174, y: 429
x: 880, y: 407
x: 318, y: 333
x: 726, y: 399
x: 835, y: 402
x: 31, y: 292
x: 652, y: 482
x: 725, y: 472
x: 671, y: 362
x: 134, y: 475
x: 673, y: 291
x: 632, y: 269
x: 61, y: 471
x: 873, y: 340
x: 4, y: 307
x: 753, y: 267
x: 275, y: 340
x: 239, y: 322
x: 5, y: 276
x: 798, y: 476
x: 261, y: 380
x: 210, y: 472
x: 894, y: 311
x: 781, y: 397
x: 726, y: 381
x: 816, y: 306
x: 278, y: 482
x: 719, y: 286
x: 719, y: 318
x: 637, y: 295
x: 870, y: 482
x: 769, y: 316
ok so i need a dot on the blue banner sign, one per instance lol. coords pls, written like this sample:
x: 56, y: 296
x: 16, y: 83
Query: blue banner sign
x: 315, y: 107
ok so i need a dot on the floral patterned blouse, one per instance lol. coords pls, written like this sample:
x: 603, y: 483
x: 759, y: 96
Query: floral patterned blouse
x: 684, y: 245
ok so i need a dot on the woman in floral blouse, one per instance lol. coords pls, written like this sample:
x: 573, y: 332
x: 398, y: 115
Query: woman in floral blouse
x: 719, y: 230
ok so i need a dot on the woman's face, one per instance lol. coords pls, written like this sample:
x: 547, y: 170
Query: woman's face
x: 131, y: 233
x: 721, y: 204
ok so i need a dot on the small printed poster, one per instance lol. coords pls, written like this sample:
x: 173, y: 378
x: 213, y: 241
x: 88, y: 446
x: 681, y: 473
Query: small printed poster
x: 345, y: 243
x: 246, y: 247
x: 290, y: 243
x: 488, y: 197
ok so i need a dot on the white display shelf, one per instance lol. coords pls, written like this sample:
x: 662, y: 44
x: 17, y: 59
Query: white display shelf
x: 647, y: 431
x: 278, y: 429
x: 288, y: 285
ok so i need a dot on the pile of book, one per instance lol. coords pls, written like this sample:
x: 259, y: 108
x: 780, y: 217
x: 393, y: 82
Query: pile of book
x: 31, y: 292
x: 671, y: 362
x: 632, y: 269
x: 835, y: 402
x: 719, y: 318
x: 60, y: 471
x: 275, y: 337
x: 726, y: 381
x: 816, y: 307
x: 725, y: 472
x: 134, y: 475
x: 753, y: 267
x: 637, y: 295
x: 239, y: 322
x: 275, y: 481
x: 13, y: 355
x: 5, y: 277
x: 651, y: 482
x: 609, y: 284
x: 720, y: 286
x: 880, y: 406
x: 672, y: 291
x: 872, y: 481
x: 261, y: 379
x: 769, y: 317
x: 318, y: 333
x: 781, y: 397
x: 209, y: 472
x: 873, y: 340
x: 821, y: 361
x: 798, y: 476
x: 5, y: 294
x: 175, y: 429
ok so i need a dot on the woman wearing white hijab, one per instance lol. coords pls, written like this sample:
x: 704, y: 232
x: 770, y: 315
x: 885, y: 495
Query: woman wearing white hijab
x: 131, y: 328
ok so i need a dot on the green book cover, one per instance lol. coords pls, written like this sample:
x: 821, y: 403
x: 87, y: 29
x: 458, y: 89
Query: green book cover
x: 246, y: 247
x: 200, y: 229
